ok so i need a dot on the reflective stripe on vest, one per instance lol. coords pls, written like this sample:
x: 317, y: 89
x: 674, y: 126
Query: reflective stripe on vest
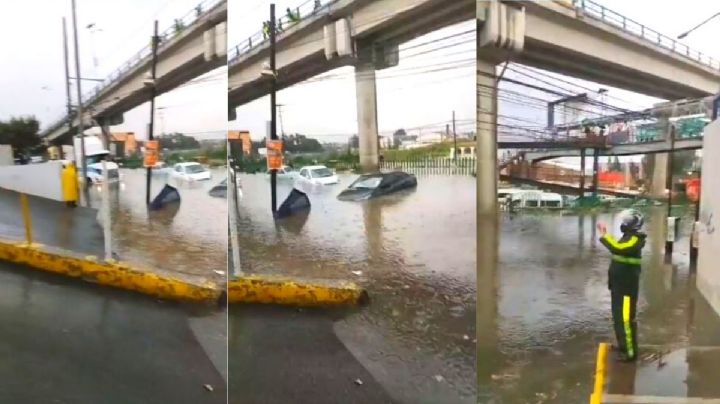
x: 627, y: 260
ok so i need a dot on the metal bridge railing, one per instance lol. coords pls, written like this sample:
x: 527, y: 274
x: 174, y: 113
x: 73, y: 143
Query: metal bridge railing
x: 178, y: 26
x: 307, y: 9
x: 613, y: 18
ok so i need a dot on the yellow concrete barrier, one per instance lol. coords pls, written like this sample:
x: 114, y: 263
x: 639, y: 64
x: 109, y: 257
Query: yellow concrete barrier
x: 119, y: 275
x: 597, y: 393
x: 286, y: 291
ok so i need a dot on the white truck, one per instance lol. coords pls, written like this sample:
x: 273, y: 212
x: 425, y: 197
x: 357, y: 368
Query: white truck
x: 95, y: 152
x: 6, y: 155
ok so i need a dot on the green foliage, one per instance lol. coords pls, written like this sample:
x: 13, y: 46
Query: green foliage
x: 177, y: 141
x: 434, y: 150
x: 21, y: 133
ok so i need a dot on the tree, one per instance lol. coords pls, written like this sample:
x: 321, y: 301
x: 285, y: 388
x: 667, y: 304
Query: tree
x: 178, y: 141
x: 20, y: 133
x: 398, y: 137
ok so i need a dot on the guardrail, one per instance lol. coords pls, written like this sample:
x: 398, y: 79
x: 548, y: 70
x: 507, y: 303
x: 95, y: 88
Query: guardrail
x: 617, y: 20
x: 178, y: 26
x: 307, y: 9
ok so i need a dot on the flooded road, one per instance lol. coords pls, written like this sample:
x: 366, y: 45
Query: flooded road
x: 415, y: 254
x: 553, y: 308
x: 189, y: 240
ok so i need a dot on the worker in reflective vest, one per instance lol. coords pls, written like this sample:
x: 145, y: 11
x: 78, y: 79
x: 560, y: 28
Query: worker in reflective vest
x: 624, y: 280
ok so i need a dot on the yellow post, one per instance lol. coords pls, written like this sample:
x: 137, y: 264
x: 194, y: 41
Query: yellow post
x: 69, y: 181
x: 25, y: 205
x: 596, y: 396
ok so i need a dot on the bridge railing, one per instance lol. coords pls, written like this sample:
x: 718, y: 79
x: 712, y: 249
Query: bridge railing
x: 613, y: 18
x: 179, y: 25
x: 307, y: 9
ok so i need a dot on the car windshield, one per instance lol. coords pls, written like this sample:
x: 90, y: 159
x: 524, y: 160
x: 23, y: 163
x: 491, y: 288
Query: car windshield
x: 321, y: 172
x: 194, y: 168
x: 366, y: 183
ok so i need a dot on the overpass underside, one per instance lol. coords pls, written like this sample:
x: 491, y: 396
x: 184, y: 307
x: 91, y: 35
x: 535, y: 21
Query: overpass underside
x: 199, y: 49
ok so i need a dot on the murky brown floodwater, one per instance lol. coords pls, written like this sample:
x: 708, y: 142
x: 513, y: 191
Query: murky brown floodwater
x: 415, y: 254
x: 188, y: 241
x: 553, y: 308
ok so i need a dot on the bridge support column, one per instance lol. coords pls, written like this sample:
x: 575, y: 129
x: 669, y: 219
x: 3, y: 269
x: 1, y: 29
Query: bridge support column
x: 582, y: 173
x: 105, y: 130
x: 366, y: 94
x: 658, y: 183
x: 487, y: 214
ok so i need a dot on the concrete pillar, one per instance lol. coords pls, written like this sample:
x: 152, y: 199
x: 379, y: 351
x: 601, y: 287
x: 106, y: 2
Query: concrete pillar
x: 581, y: 191
x: 365, y: 92
x: 658, y: 182
x: 105, y: 136
x: 487, y: 236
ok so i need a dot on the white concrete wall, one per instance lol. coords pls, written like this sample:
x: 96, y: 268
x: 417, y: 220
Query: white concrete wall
x: 708, y: 270
x: 43, y: 180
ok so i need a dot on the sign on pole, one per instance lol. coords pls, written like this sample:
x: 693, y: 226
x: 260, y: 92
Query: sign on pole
x: 274, y: 154
x: 151, y: 153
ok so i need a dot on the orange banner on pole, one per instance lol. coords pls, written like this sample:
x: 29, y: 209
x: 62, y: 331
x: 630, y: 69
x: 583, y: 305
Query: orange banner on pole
x: 151, y: 153
x: 274, y: 154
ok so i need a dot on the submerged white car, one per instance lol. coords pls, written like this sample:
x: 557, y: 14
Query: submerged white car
x: 317, y: 175
x: 191, y: 172
x: 286, y: 173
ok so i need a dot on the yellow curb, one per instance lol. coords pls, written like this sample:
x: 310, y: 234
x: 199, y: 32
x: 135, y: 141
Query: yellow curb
x: 119, y: 275
x: 286, y: 291
x: 596, y: 396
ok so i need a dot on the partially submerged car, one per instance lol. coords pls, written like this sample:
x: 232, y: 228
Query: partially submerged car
x: 373, y: 185
x: 191, y: 172
x: 317, y: 175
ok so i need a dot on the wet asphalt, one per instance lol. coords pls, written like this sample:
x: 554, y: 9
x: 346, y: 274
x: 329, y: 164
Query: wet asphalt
x: 282, y: 354
x: 63, y: 341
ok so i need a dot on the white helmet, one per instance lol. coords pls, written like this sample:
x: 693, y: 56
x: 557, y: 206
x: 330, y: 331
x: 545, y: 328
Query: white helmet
x: 631, y: 219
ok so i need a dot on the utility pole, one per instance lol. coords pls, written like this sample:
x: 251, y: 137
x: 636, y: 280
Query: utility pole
x: 79, y: 105
x: 67, y: 70
x: 152, y: 106
x: 454, y: 139
x: 669, y: 186
x: 273, y: 107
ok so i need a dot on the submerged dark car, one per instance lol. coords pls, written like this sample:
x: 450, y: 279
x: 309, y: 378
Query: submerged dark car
x: 373, y: 185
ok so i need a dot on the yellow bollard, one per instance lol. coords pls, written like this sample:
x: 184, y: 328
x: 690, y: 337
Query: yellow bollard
x: 25, y: 205
x: 69, y: 183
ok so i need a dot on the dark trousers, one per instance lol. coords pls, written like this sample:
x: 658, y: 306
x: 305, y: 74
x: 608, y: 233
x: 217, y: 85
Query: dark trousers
x: 624, y: 306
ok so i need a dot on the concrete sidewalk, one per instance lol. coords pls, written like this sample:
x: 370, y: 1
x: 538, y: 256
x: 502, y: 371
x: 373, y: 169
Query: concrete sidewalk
x: 76, y: 343
x: 53, y: 223
x: 282, y: 354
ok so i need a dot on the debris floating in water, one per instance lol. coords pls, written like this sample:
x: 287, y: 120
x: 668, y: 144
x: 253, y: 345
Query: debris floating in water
x: 358, y: 382
x: 208, y: 387
x: 358, y: 273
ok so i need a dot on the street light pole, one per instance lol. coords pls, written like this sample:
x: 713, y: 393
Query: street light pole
x: 79, y: 105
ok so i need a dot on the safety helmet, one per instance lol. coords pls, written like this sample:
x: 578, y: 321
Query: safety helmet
x: 631, y: 220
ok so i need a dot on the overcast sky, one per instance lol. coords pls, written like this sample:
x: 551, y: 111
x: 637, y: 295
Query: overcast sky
x: 32, y: 73
x: 431, y: 81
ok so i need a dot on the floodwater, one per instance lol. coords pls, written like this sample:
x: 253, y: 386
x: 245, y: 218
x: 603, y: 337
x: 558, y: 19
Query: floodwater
x: 415, y: 254
x: 188, y: 240
x: 553, y: 308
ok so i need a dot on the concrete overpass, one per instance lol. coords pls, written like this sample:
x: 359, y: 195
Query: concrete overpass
x: 183, y: 54
x: 586, y: 41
